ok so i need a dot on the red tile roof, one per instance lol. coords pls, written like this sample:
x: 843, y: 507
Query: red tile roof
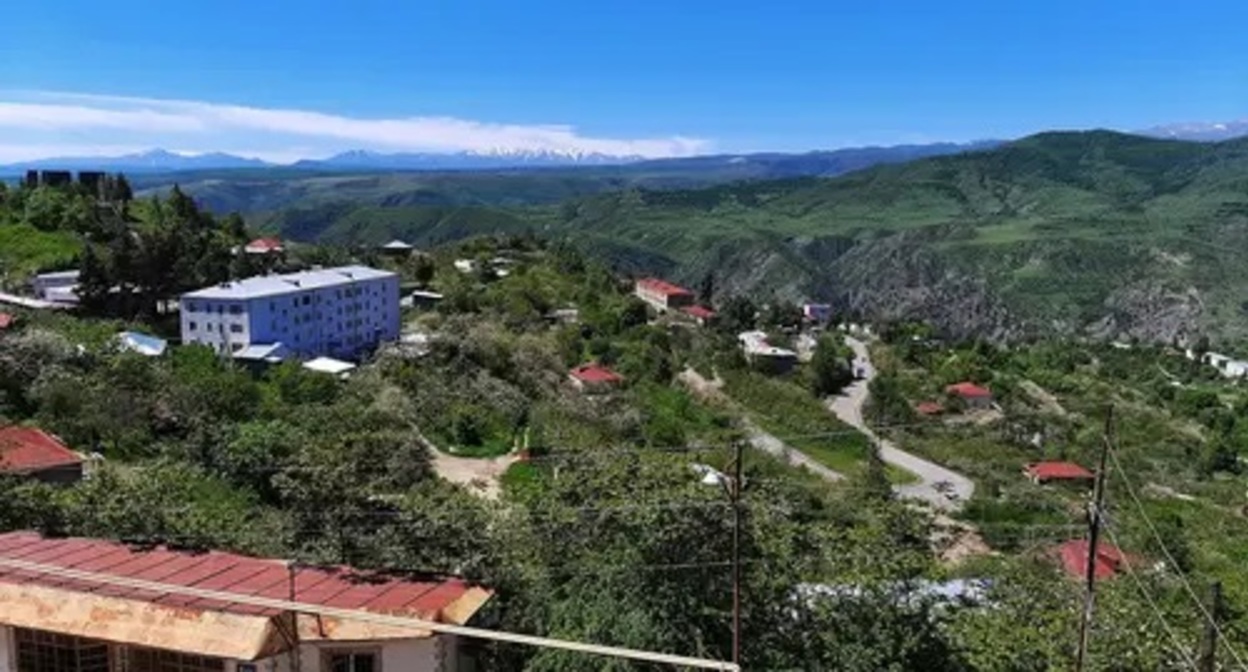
x: 1074, y: 557
x: 662, y: 287
x: 595, y: 373
x: 968, y: 390
x: 700, y: 312
x: 929, y: 408
x: 264, y: 245
x: 28, y: 449
x: 1046, y: 471
x: 339, y: 587
x: 6, y: 321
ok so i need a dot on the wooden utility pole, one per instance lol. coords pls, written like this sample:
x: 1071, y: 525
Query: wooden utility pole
x: 1208, y: 660
x: 1094, y: 536
x: 736, y: 552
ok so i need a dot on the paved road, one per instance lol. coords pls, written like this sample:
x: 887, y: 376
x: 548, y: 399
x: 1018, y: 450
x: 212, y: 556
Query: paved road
x: 848, y: 407
x: 758, y: 437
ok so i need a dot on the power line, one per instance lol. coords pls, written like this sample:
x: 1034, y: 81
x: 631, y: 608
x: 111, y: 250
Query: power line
x: 1175, y: 565
x: 1174, y: 638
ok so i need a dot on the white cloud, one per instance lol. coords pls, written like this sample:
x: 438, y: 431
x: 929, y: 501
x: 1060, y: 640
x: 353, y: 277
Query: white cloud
x: 202, y: 126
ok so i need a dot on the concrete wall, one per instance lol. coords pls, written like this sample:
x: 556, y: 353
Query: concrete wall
x: 435, y: 654
x: 8, y: 650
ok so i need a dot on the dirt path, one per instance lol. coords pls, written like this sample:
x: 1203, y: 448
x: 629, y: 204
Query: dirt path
x: 757, y: 437
x: 944, y: 489
x: 482, y: 476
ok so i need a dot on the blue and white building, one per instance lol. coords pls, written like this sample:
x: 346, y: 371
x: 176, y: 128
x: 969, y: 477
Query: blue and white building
x: 336, y: 312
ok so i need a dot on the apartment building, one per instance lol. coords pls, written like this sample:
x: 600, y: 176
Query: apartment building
x: 338, y: 312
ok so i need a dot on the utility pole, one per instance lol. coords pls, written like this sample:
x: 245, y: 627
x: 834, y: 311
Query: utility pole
x: 736, y: 552
x: 1208, y: 660
x: 1094, y: 536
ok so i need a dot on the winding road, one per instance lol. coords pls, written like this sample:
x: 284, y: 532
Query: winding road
x: 943, y: 489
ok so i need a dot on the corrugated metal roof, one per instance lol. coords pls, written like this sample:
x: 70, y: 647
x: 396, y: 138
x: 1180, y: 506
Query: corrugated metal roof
x: 274, y: 285
x: 662, y: 286
x: 216, y: 570
x: 27, y: 449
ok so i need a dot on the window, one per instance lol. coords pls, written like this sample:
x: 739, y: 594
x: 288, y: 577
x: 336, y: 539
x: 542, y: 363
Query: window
x: 191, y: 326
x: 154, y: 660
x: 39, y: 651
x: 307, y: 300
x: 236, y: 328
x: 273, y: 306
x: 236, y: 347
x: 236, y: 310
x: 352, y: 662
x: 192, y: 307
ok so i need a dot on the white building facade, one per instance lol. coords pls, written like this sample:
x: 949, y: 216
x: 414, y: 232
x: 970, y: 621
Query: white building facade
x: 338, y: 312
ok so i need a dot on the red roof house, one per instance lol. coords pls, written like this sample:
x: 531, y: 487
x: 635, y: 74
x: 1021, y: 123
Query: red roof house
x: 29, y: 451
x: 6, y: 321
x: 91, y: 606
x: 929, y: 408
x: 663, y: 295
x: 973, y: 395
x: 1044, y: 472
x: 700, y: 314
x: 1074, y: 558
x: 264, y: 246
x: 594, y: 378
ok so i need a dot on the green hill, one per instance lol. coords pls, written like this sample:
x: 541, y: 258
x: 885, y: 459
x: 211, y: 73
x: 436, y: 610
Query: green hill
x: 1081, y: 232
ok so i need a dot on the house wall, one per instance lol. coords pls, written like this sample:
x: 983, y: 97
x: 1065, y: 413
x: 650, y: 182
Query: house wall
x: 433, y: 654
x: 41, y: 284
x: 340, y: 320
x: 65, y: 475
x: 978, y: 402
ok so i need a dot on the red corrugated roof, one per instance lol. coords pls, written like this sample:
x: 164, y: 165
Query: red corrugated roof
x: 215, y: 570
x: 662, y: 286
x: 265, y: 244
x: 929, y: 408
x: 6, y: 321
x: 700, y: 312
x: 595, y: 373
x: 27, y: 449
x: 1058, y: 470
x: 1074, y: 557
x: 968, y: 390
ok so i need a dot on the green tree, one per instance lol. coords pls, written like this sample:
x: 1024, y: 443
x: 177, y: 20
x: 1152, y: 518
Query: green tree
x: 831, y: 369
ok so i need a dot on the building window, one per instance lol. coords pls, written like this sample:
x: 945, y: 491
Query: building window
x: 236, y: 347
x: 153, y: 660
x: 236, y: 328
x: 273, y: 305
x: 307, y: 300
x: 352, y: 662
x: 236, y: 310
x: 40, y: 651
x: 191, y: 307
x: 191, y: 326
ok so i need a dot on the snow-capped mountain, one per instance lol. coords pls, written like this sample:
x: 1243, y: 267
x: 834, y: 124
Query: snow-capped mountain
x: 1200, y: 131
x: 468, y: 160
x: 154, y: 161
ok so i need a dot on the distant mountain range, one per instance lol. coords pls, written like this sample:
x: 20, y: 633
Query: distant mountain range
x: 154, y: 161
x: 1200, y: 131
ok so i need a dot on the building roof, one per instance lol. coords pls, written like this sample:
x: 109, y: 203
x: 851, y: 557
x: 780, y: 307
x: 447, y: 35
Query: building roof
x: 74, y: 605
x: 263, y: 352
x: 28, y: 449
x: 1046, y: 471
x: 1074, y: 557
x: 929, y: 408
x: 396, y: 245
x: 700, y: 312
x: 595, y: 373
x: 288, y: 283
x: 662, y: 287
x: 328, y: 365
x: 59, y: 275
x: 968, y: 390
x: 6, y: 320
x: 263, y: 245
x: 143, y: 344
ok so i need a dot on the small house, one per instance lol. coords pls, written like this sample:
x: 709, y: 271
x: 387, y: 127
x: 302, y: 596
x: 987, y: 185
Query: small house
x: 466, y: 265
x: 397, y: 248
x: 268, y: 245
x: 1073, y: 556
x: 763, y: 355
x: 103, y: 619
x: 929, y: 408
x: 32, y: 452
x: 1041, y: 473
x: 59, y: 287
x: 974, y: 396
x: 701, y: 315
x: 662, y: 295
x: 594, y: 378
x: 818, y: 313
x: 143, y: 344
x: 423, y: 299
x: 334, y: 367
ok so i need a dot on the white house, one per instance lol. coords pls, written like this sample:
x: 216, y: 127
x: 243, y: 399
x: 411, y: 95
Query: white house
x: 338, y: 312
x: 97, y: 625
x: 662, y: 295
x: 765, y: 355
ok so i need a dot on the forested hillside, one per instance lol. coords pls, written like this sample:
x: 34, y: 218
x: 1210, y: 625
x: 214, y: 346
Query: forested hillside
x: 1093, y: 233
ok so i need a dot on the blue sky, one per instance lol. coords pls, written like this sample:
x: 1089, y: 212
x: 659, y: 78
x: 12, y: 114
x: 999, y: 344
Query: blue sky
x: 287, y: 79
